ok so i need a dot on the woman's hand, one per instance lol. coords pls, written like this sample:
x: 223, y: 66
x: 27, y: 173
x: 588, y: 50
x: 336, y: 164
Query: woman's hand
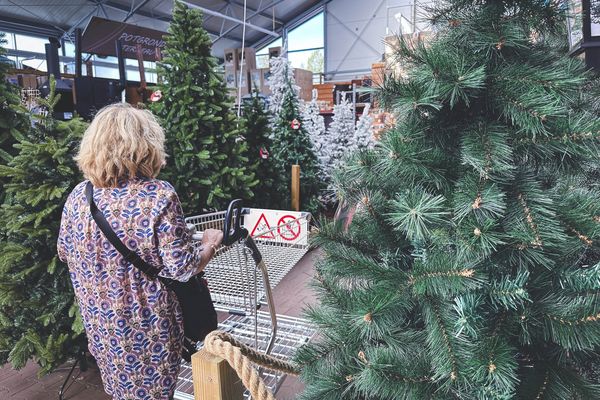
x: 211, y: 239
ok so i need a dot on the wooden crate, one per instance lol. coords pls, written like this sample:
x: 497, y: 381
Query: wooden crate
x: 264, y: 84
x: 382, y: 121
x: 230, y: 76
x: 391, y: 44
x: 377, y: 73
x: 304, y: 79
x: 232, y: 60
x: 249, y: 58
x: 255, y: 79
x: 325, y: 93
x: 274, y: 52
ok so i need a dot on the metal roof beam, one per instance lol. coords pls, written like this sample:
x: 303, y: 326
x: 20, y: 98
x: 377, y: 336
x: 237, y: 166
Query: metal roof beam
x: 291, y: 23
x: 254, y: 14
x: 126, y: 9
x: 160, y: 17
x: 135, y: 10
x: 30, y: 28
x: 260, y: 12
x: 67, y: 35
x: 227, y: 17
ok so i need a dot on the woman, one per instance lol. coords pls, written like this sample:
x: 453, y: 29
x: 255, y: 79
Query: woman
x: 133, y: 323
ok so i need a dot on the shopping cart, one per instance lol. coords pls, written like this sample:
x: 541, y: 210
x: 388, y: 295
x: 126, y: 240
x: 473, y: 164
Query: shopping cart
x: 241, y: 277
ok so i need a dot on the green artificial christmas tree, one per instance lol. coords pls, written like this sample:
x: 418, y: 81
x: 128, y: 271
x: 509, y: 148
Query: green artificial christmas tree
x: 39, y: 318
x: 208, y: 163
x: 13, y: 119
x: 469, y: 269
x: 257, y: 134
x: 291, y: 143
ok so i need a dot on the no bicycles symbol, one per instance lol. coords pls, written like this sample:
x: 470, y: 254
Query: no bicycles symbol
x: 289, y: 228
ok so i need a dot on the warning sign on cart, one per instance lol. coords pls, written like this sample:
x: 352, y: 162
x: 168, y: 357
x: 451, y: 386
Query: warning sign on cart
x: 289, y: 228
x: 262, y: 228
x: 282, y: 226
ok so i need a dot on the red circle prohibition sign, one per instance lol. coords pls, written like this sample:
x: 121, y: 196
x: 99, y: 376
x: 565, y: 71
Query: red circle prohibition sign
x: 289, y: 227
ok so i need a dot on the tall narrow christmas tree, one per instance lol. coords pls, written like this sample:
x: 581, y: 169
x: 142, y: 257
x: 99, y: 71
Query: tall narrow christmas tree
x: 340, y: 135
x: 38, y: 313
x: 314, y: 123
x: 257, y: 132
x: 470, y: 267
x: 208, y: 164
x: 363, y: 136
x: 290, y: 141
x: 341, y: 130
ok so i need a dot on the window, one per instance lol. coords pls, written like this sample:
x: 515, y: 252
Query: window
x: 133, y: 75
x: 309, y: 35
x: 13, y: 61
x: 262, y: 55
x: 134, y: 63
x: 9, y: 38
x: 107, y: 59
x: 265, y: 50
x: 31, y: 43
x: 104, y: 67
x: 106, y: 72
x: 69, y: 49
x: 70, y: 67
x: 306, y: 45
x: 311, y: 60
x: 34, y: 62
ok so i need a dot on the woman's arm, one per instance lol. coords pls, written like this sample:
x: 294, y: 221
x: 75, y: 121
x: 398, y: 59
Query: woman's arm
x: 181, y: 257
x: 63, y: 233
x: 211, y: 240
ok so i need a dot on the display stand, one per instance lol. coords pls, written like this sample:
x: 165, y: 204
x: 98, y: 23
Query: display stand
x: 81, y: 360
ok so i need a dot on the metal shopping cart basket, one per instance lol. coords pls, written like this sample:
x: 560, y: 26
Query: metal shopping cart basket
x: 253, y: 259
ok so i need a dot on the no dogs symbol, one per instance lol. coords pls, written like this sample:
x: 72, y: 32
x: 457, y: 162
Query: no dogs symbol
x: 289, y: 228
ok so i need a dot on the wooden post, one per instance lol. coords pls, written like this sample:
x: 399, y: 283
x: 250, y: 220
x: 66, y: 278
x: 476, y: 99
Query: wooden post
x: 296, y: 187
x: 214, y: 379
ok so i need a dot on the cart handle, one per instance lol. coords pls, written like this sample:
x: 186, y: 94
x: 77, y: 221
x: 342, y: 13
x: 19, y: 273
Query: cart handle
x: 233, y: 233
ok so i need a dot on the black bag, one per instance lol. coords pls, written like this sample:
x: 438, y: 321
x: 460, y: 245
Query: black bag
x: 199, y: 315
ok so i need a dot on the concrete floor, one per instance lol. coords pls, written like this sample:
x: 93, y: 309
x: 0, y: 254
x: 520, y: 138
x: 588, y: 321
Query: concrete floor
x: 291, y: 296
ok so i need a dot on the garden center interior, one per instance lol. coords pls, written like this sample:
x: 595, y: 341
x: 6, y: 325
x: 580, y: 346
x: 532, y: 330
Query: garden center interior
x: 418, y: 185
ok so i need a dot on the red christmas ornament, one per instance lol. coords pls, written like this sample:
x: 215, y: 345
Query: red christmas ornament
x: 264, y: 154
x: 295, y: 124
x: 156, y: 96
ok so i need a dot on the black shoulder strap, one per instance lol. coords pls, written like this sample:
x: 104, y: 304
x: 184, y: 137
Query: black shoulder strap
x: 130, y: 256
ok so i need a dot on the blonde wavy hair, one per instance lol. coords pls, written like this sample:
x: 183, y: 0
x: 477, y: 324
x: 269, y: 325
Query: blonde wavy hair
x: 122, y: 142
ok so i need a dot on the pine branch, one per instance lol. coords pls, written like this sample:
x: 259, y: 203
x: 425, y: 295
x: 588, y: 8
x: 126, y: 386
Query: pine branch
x: 416, y: 212
x: 537, y: 242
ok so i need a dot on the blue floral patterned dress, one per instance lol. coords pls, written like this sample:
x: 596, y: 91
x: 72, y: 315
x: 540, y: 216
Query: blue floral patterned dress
x: 133, y: 324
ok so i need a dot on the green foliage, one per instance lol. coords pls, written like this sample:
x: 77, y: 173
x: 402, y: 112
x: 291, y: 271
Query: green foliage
x: 470, y: 268
x: 208, y: 162
x: 39, y: 318
x: 258, y: 139
x: 13, y: 120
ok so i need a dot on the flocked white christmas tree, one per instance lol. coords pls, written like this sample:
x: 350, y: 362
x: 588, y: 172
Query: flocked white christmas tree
x: 314, y: 123
x: 290, y: 141
x: 340, y: 135
x: 280, y: 81
x: 363, y: 137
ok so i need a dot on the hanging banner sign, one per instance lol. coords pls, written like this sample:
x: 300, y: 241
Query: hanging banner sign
x: 101, y: 34
x: 283, y: 226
